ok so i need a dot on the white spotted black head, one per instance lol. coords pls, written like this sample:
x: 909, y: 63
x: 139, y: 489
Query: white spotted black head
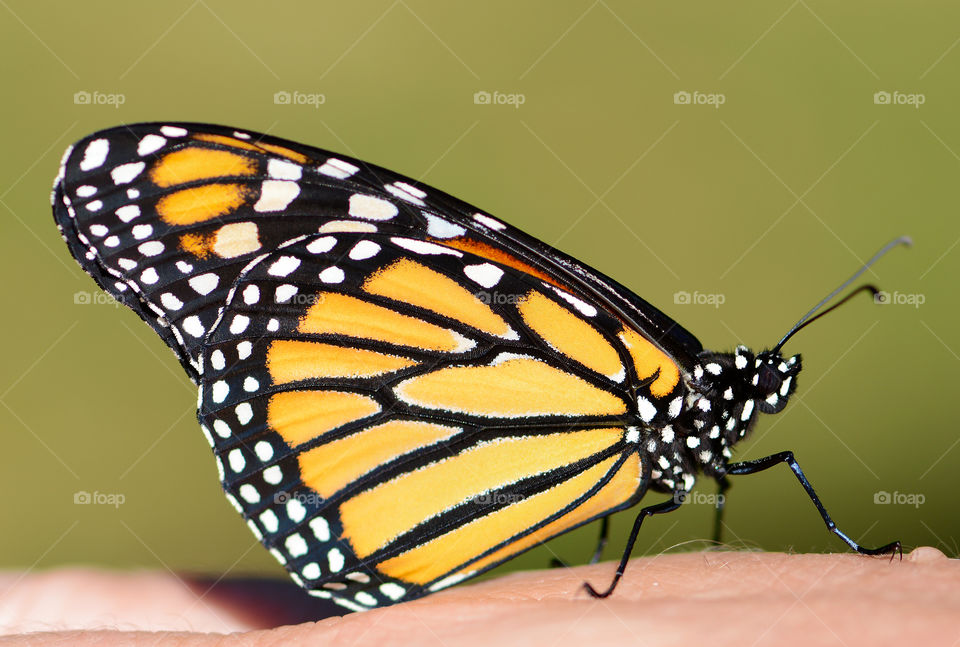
x: 727, y: 390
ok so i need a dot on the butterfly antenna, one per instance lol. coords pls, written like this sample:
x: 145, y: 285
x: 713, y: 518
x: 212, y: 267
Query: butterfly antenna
x: 812, y: 315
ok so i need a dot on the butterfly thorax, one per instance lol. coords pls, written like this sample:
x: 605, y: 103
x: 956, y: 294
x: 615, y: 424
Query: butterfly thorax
x: 725, y: 392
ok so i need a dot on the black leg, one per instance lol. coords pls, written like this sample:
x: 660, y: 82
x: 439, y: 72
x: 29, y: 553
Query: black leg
x: 722, y: 486
x: 660, y: 508
x: 604, y: 534
x: 752, y: 467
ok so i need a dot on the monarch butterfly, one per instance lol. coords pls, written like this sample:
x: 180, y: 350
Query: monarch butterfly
x: 400, y: 390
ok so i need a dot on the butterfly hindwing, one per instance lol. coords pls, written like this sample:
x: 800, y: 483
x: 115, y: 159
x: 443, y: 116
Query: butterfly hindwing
x: 349, y: 370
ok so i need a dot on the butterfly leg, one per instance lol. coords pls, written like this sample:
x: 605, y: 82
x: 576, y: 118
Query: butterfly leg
x: 723, y: 484
x: 667, y: 506
x: 556, y: 562
x: 761, y: 464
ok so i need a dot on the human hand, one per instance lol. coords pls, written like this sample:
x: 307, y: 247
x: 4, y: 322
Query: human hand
x: 714, y: 598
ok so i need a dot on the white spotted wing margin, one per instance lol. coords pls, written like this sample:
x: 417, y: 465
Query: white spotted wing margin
x: 263, y: 472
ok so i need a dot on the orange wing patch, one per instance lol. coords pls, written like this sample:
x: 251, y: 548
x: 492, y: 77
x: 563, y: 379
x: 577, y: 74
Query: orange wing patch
x: 233, y: 142
x: 516, y: 387
x: 201, y: 203
x: 330, y: 467
x: 372, y: 519
x: 618, y: 490
x: 648, y: 359
x: 410, y: 282
x: 496, y: 255
x: 194, y: 163
x: 433, y: 559
x: 229, y: 241
x: 292, y: 361
x: 299, y: 416
x: 339, y: 314
x: 570, y: 335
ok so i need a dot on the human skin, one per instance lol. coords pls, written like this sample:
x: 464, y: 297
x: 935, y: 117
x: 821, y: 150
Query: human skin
x: 711, y: 598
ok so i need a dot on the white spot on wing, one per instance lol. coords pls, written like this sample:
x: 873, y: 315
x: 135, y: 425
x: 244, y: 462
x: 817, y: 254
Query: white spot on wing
x: 173, y: 131
x: 349, y: 226
x: 371, y: 208
x: 646, y: 409
x: 249, y: 493
x: 126, y: 172
x: 170, y: 302
x: 95, y: 154
x: 335, y: 559
x: 364, y: 249
x: 284, y: 266
x: 149, y: 144
x: 239, y: 324
x: 284, y: 170
x: 204, y: 283
x: 422, y: 247
x: 406, y: 192
x: 489, y: 222
x: 142, y: 231
x: 276, y: 195
x: 440, y: 228
x: 244, y: 415
x: 332, y: 275
x: 251, y: 295
x: 151, y: 248
x: 338, y: 169
x: 485, y: 274
x: 321, y: 245
x: 582, y: 306
x: 193, y: 326
x: 284, y: 293
x: 128, y: 212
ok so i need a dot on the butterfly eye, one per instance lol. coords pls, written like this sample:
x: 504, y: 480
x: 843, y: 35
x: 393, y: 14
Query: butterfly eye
x: 770, y: 379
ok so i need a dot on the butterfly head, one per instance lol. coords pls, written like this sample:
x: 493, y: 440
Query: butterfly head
x: 727, y: 392
x: 773, y: 380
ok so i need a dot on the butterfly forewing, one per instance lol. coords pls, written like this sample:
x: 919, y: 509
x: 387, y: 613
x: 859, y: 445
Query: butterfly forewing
x: 165, y: 216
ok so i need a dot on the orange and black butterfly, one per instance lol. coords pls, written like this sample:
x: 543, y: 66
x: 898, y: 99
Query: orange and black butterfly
x: 401, y: 391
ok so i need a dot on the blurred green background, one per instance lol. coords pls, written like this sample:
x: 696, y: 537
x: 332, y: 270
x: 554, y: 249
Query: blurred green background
x: 767, y: 200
